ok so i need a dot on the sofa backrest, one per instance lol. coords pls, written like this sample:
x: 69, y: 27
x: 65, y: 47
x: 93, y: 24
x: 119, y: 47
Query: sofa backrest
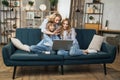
x: 30, y: 36
x: 84, y: 37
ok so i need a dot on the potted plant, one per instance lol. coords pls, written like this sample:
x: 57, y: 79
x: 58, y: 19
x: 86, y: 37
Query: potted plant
x: 5, y: 3
x: 91, y: 19
x: 53, y: 4
x: 31, y: 3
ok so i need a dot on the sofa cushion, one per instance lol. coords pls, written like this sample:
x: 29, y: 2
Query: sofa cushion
x: 96, y: 42
x: 20, y: 55
x: 91, y: 56
x: 84, y: 37
x: 29, y: 36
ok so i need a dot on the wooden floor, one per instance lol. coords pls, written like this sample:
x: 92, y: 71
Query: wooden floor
x: 76, y: 72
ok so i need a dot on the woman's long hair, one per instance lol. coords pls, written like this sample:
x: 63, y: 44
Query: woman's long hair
x: 53, y: 16
x: 68, y: 28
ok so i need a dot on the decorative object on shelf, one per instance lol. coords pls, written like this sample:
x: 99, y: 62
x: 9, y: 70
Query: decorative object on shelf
x: 5, y: 3
x: 16, y: 3
x: 14, y: 26
x: 95, y: 9
x: 42, y: 7
x: 106, y: 25
x: 77, y: 10
x: 91, y: 18
x: 53, y: 4
x: 96, y: 1
x: 89, y: 9
x: 31, y: 3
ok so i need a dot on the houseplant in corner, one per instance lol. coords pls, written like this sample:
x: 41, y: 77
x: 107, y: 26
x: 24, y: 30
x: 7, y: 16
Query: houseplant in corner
x: 53, y: 4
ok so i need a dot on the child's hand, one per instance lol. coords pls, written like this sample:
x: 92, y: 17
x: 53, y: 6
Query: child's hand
x: 56, y: 32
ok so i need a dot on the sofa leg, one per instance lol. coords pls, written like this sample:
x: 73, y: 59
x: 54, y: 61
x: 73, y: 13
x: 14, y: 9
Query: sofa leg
x: 14, y: 71
x: 105, y: 69
x: 62, y: 70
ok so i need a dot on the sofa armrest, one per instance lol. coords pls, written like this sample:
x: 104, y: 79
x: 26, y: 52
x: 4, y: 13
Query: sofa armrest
x: 7, y: 51
x: 110, y: 49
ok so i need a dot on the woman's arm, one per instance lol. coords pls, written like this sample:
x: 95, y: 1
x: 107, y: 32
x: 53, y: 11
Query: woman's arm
x: 43, y: 25
x: 44, y: 30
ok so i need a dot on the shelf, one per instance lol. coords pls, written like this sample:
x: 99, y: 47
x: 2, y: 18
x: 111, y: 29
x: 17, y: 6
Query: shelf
x: 39, y: 11
x: 5, y: 10
x: 34, y: 18
x: 95, y: 3
x: 93, y: 23
x: 95, y: 13
x: 14, y: 6
x: 93, y: 26
x: 10, y: 19
x: 3, y: 22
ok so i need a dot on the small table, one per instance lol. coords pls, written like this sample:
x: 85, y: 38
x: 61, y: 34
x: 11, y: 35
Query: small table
x: 101, y: 31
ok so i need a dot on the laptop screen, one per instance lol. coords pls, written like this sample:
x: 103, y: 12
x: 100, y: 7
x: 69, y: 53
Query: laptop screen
x: 62, y: 44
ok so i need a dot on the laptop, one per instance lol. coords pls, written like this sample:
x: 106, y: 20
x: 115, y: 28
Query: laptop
x: 62, y: 44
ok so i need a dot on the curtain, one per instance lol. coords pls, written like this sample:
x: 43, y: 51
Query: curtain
x: 77, y: 13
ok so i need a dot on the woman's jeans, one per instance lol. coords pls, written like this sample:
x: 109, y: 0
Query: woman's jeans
x: 74, y: 50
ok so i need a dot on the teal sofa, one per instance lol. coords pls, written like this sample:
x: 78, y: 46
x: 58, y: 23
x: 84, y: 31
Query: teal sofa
x: 14, y: 57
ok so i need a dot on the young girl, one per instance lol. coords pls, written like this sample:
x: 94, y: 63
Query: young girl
x: 68, y: 33
x: 46, y: 43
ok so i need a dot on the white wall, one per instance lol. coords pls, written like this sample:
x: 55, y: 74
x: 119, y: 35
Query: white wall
x: 111, y: 13
x: 64, y: 8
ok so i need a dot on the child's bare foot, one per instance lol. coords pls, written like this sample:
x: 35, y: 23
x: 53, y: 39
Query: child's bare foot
x: 85, y: 51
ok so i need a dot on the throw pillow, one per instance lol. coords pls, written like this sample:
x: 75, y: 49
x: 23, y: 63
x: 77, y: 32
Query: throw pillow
x: 96, y: 42
x: 18, y: 44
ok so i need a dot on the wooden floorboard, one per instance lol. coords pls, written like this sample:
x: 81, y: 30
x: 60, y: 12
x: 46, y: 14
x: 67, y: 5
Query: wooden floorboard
x: 76, y: 72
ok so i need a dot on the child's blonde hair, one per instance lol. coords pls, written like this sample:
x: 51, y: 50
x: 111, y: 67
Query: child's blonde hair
x: 50, y: 23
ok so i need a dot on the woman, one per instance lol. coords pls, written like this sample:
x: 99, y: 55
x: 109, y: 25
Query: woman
x: 56, y: 18
x: 68, y: 33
